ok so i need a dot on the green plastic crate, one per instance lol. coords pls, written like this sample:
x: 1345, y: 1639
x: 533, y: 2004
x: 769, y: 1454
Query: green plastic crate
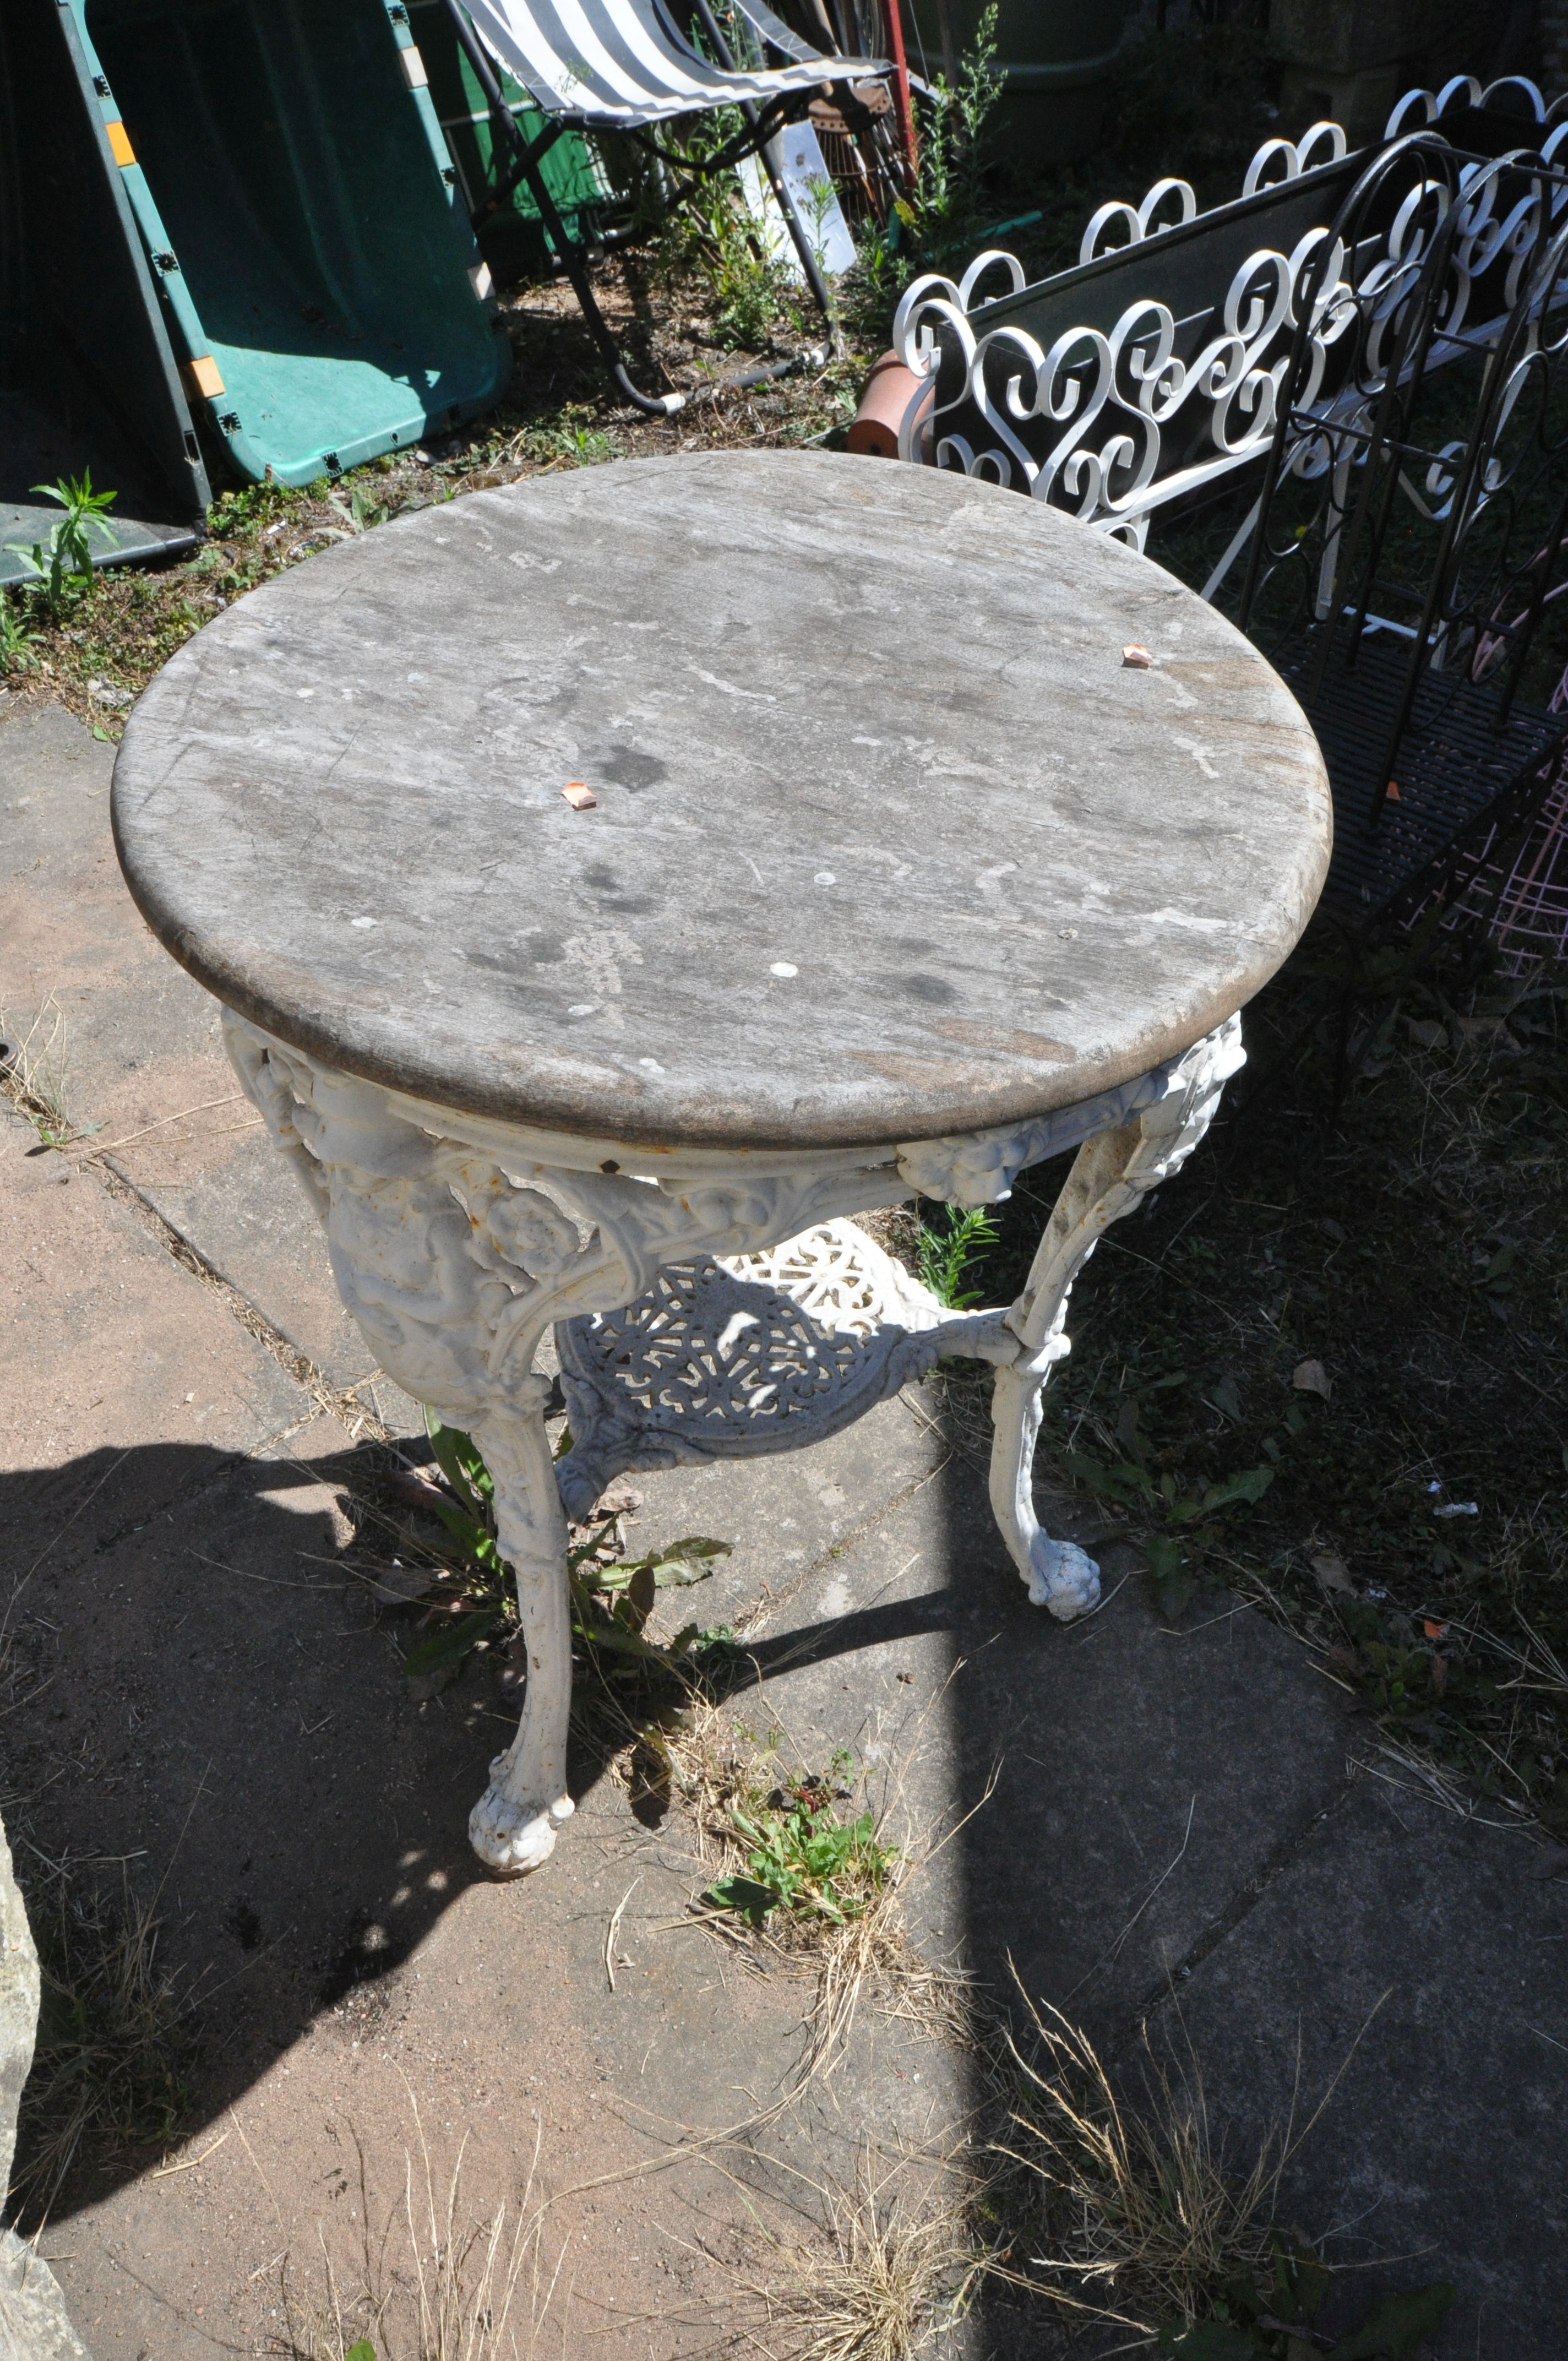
x: 304, y: 222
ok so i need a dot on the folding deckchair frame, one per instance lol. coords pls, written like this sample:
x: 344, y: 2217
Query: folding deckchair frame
x: 582, y: 94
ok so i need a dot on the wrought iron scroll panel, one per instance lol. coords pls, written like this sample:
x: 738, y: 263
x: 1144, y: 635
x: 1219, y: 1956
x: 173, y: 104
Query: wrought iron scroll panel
x: 1156, y: 369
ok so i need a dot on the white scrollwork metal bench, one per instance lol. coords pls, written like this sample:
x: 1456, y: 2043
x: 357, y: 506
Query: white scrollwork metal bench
x: 897, y: 879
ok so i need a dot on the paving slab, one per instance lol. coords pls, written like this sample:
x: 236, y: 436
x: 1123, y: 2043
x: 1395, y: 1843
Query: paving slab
x: 782, y: 1516
x: 138, y: 1045
x: 109, y: 1346
x: 1433, y: 1949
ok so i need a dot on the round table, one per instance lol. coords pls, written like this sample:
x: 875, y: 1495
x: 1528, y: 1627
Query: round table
x: 615, y: 882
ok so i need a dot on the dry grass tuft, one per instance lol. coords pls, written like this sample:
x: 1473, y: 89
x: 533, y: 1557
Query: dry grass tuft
x: 35, y: 1072
x: 112, y: 2036
x: 898, y: 2266
x: 1144, y: 2210
x: 1145, y: 2213
x: 439, y: 2283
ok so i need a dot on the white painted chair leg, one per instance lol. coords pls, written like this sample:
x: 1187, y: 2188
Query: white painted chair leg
x: 1111, y: 1174
x: 513, y: 1826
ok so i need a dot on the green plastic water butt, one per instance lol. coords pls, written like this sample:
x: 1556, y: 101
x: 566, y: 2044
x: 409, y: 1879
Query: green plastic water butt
x: 87, y: 376
x: 302, y: 217
x: 514, y: 240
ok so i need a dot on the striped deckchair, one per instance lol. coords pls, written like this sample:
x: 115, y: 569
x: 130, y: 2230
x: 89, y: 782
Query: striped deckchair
x: 625, y: 65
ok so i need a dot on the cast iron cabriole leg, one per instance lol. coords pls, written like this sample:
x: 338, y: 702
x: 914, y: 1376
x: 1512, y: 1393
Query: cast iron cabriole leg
x: 513, y: 1826
x: 455, y: 1246
x: 1111, y: 1175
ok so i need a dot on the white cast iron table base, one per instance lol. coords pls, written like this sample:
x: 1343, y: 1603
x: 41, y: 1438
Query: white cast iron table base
x: 705, y: 1302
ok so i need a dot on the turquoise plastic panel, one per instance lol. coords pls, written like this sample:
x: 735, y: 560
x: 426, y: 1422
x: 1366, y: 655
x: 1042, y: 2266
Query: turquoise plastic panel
x: 302, y: 216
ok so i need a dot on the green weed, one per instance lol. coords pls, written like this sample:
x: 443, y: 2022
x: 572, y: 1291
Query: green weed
x: 248, y: 505
x: 612, y: 1596
x: 17, y: 637
x: 358, y: 514
x: 952, y: 145
x: 62, y: 566
x: 800, y: 1857
x: 714, y: 233
x: 1271, y: 2319
x: 945, y: 205
x: 949, y: 1247
x: 1183, y: 1510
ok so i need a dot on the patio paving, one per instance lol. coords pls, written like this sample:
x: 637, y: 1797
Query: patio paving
x: 1184, y: 1826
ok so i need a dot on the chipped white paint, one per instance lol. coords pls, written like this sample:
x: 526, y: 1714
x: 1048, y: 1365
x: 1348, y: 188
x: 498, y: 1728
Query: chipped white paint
x: 686, y: 1329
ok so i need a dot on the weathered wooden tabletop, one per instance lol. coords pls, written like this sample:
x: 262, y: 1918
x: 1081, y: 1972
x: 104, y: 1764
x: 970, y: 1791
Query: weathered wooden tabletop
x: 888, y: 840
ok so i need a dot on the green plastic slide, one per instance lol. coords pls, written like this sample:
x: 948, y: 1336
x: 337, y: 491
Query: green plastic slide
x: 304, y: 222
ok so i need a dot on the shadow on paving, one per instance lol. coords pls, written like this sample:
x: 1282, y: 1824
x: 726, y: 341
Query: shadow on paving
x: 1317, y: 1929
x: 1161, y: 1813
x: 202, y: 1694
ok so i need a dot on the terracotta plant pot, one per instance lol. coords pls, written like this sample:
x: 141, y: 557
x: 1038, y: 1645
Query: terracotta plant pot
x: 892, y: 394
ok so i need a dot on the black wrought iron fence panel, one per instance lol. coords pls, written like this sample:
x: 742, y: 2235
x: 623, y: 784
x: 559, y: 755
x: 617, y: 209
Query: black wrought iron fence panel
x: 1425, y: 501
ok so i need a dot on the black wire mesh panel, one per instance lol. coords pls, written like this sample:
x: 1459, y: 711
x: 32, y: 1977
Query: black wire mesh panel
x: 1407, y: 553
x: 1466, y: 773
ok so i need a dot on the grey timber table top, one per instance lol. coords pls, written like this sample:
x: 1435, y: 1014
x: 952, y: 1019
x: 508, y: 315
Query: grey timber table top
x: 888, y: 841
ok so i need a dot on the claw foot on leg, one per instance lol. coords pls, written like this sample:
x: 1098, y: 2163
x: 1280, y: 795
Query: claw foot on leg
x: 1063, y: 1578
x: 513, y: 1834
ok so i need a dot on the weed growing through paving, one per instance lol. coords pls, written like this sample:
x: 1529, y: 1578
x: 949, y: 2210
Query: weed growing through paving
x: 812, y: 1872
x: 33, y: 1073
x: 802, y: 1858
x: 113, y: 2039
x: 1150, y: 2221
x: 474, y: 1604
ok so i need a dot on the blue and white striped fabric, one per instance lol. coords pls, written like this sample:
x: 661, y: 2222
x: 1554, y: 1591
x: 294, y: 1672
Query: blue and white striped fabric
x: 622, y: 62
